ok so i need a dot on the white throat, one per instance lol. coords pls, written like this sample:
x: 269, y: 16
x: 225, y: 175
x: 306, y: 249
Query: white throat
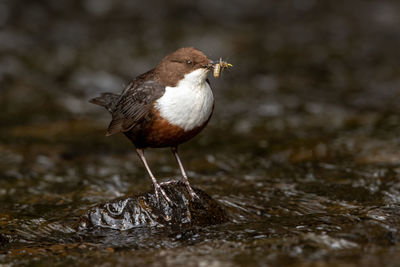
x: 189, y: 104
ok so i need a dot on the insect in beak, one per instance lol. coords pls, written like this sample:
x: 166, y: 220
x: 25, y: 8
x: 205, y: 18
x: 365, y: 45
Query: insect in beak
x: 219, y: 66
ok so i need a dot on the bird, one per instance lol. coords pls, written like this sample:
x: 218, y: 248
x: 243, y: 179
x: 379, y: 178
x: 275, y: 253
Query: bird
x: 164, y: 107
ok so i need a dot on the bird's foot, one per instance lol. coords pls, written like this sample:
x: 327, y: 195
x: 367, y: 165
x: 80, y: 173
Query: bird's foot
x: 157, y: 190
x: 192, y: 194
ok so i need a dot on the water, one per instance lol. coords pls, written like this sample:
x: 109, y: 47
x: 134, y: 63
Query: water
x: 302, y: 151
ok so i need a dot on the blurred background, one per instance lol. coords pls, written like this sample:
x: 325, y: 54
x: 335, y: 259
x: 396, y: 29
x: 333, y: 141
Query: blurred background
x: 57, y: 54
x: 306, y: 122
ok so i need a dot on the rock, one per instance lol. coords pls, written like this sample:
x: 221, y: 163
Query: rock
x: 145, y: 211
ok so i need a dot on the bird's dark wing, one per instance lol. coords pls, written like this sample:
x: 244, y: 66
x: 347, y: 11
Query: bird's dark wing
x: 134, y: 104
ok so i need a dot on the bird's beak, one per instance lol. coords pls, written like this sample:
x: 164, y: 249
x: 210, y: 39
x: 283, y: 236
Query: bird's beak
x: 211, y: 64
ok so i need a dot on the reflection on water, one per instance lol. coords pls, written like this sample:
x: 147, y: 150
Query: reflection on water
x: 302, y: 151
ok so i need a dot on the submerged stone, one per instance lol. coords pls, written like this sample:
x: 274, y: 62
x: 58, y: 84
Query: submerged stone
x: 146, y: 211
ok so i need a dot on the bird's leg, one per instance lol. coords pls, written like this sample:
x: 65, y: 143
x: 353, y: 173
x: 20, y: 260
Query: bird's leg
x: 185, y: 178
x: 157, y: 187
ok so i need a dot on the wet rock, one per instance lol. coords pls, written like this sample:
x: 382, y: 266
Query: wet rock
x: 145, y: 211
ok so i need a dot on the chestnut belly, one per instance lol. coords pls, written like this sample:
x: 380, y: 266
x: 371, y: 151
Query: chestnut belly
x: 158, y: 132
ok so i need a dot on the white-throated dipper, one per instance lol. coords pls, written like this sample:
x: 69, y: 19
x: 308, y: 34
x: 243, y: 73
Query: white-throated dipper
x: 164, y: 107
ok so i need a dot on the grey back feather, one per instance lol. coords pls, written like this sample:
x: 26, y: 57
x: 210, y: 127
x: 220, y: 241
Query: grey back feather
x: 107, y: 100
x: 133, y: 105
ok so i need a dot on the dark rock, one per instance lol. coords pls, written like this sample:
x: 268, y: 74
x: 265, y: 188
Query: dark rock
x: 145, y: 211
x: 4, y: 239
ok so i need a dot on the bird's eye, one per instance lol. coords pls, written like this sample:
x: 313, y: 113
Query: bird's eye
x: 188, y: 61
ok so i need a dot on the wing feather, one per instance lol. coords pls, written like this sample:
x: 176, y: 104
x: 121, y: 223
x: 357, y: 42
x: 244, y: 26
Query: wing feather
x: 133, y: 105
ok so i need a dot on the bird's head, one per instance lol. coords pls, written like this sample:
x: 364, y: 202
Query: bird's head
x: 184, y: 61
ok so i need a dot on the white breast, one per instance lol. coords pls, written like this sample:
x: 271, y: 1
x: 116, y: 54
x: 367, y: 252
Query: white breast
x: 190, y: 103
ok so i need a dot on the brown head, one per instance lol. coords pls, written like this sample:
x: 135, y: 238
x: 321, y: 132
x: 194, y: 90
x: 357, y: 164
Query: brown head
x: 183, y: 61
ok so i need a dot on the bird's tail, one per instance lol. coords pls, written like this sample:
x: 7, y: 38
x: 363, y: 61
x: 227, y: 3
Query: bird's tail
x: 107, y: 100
